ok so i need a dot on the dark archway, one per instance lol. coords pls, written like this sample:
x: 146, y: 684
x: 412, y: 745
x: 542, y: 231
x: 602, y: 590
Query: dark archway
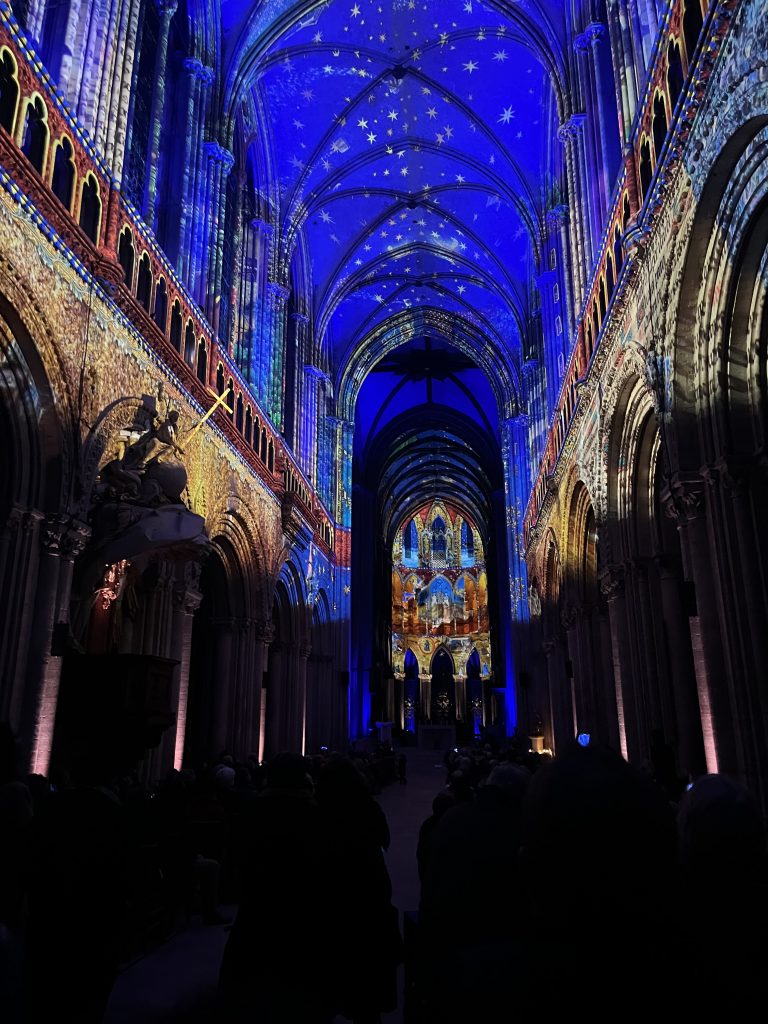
x: 443, y: 710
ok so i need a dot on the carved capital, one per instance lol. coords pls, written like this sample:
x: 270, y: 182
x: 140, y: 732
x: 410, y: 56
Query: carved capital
x: 186, y: 599
x: 220, y: 155
x: 75, y: 539
x: 557, y: 216
x: 52, y: 532
x: 569, y: 616
x: 263, y: 226
x: 594, y: 32
x: 682, y: 498
x: 278, y: 293
x: 571, y: 128
x: 613, y: 582
x: 166, y: 8
x: 264, y: 631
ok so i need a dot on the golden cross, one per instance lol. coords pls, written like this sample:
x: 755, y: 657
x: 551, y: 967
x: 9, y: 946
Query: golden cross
x: 220, y: 400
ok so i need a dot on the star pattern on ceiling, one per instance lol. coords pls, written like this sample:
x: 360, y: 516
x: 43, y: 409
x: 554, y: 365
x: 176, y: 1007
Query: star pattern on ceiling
x: 407, y: 140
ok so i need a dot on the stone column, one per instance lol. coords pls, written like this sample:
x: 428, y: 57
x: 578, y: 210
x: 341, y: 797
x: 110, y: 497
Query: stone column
x: 275, y: 384
x: 166, y: 9
x: 63, y: 539
x: 684, y: 693
x: 186, y: 601
x: 343, y: 466
x: 567, y: 133
x: 593, y: 35
x: 195, y: 73
x: 559, y: 216
x: 684, y: 503
x: 19, y: 557
x: 300, y: 405
x: 514, y: 455
x: 626, y: 95
x: 220, y: 163
x: 225, y: 690
x: 313, y: 378
x: 273, y: 734
x: 197, y: 222
x: 560, y: 725
x: 115, y: 117
x: 612, y: 585
x: 263, y: 635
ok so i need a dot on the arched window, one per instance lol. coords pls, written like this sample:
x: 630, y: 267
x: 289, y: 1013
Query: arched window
x: 692, y: 25
x: 263, y: 446
x: 611, y: 277
x: 467, y: 544
x: 438, y: 538
x: 220, y: 379
x: 553, y: 259
x: 618, y: 252
x: 603, y: 300
x: 659, y: 124
x: 231, y: 398
x: 9, y: 90
x: 555, y: 292
x: 596, y: 320
x: 271, y: 457
x: 176, y: 325
x: 90, y: 209
x: 160, y: 314
x: 625, y: 213
x: 239, y: 413
x: 256, y: 434
x: 126, y: 255
x: 202, y: 361
x: 646, y: 167
x: 558, y: 325
x: 144, y: 281
x: 63, y: 177
x: 34, y: 138
x: 190, y: 344
x: 590, y: 339
x: 248, y: 425
x: 561, y: 366
x: 675, y: 76
x: 411, y: 545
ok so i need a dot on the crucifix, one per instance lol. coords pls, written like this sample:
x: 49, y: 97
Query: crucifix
x: 220, y: 400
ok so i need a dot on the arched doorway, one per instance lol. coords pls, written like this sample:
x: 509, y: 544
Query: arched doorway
x: 410, y: 691
x: 475, y: 703
x: 211, y: 628
x: 443, y: 709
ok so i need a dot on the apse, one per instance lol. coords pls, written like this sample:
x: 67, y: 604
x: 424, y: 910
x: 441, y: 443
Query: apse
x: 429, y: 546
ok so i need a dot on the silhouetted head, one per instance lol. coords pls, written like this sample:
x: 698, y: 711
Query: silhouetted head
x: 443, y: 802
x: 598, y: 837
x: 340, y: 779
x: 719, y: 828
x: 288, y: 771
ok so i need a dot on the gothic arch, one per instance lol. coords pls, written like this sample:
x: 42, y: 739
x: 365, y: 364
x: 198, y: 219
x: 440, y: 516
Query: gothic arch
x: 37, y: 401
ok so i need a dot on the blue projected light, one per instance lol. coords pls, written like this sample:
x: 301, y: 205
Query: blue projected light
x: 583, y: 739
x: 409, y: 151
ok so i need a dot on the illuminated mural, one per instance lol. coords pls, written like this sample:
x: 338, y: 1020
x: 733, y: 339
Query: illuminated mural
x: 440, y: 620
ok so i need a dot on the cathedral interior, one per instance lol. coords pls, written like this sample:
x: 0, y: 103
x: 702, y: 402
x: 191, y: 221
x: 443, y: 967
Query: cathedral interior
x: 380, y: 382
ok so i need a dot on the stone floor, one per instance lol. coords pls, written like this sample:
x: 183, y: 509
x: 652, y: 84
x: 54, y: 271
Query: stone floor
x: 177, y: 982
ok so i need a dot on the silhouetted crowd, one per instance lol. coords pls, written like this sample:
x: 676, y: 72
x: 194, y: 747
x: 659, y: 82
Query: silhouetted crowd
x: 575, y: 886
x: 585, y: 886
